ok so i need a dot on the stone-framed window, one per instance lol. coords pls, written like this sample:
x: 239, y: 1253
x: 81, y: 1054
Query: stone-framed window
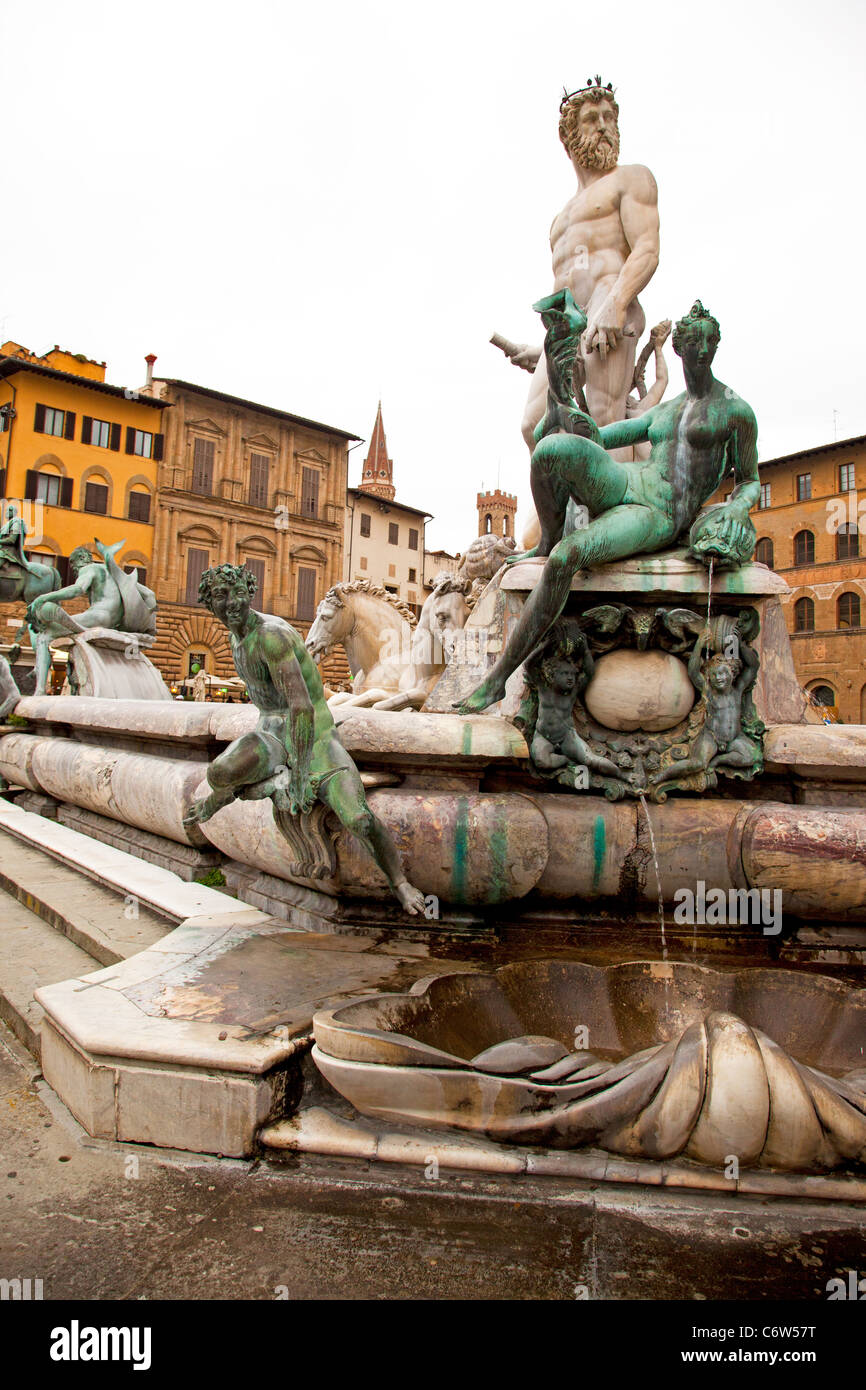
x: 96, y: 498
x: 203, y: 455
x: 847, y: 543
x: 306, y: 603
x: 197, y: 562
x: 764, y: 552
x: 257, y: 567
x: 259, y: 489
x: 804, y: 615
x: 804, y: 548
x: 848, y: 610
x: 139, y: 506
x: 309, y: 491
x: 804, y: 487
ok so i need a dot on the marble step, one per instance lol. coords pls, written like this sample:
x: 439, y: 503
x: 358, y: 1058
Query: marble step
x: 106, y: 924
x: 32, y: 953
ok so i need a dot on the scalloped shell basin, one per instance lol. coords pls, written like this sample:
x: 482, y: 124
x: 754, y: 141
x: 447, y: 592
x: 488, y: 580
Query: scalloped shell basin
x: 648, y: 1058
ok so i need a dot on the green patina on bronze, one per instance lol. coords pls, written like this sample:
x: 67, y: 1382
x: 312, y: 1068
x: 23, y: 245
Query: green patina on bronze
x: 499, y: 858
x: 634, y: 507
x: 294, y: 756
x: 466, y: 742
x: 461, y: 851
x: 598, y: 848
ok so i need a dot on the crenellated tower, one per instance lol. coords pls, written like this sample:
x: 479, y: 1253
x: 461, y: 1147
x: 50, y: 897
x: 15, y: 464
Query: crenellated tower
x: 496, y: 513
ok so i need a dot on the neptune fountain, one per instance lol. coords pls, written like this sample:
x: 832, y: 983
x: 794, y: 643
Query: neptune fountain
x: 448, y: 921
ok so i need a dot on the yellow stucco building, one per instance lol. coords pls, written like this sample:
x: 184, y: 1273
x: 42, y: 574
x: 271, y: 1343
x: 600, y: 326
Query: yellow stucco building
x: 77, y: 456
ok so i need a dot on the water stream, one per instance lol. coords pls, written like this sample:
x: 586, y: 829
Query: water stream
x: 658, y: 877
x: 709, y: 604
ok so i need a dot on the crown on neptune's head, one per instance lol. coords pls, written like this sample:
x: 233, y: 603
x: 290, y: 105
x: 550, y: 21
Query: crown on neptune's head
x: 594, y: 87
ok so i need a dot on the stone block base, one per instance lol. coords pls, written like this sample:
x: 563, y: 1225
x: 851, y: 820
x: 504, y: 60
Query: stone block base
x: 177, y: 1108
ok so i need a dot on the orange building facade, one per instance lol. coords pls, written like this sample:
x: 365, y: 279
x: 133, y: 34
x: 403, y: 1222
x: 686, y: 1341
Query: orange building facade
x: 248, y: 484
x: 809, y: 522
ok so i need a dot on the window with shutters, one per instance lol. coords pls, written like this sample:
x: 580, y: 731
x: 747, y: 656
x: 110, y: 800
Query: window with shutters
x: 846, y: 477
x: 363, y: 562
x: 365, y: 523
x: 804, y: 487
x: 96, y: 432
x: 48, y: 489
x: 139, y: 506
x: 96, y: 498
x: 412, y: 577
x: 393, y: 533
x: 413, y: 538
x: 257, y: 567
x: 306, y: 593
x: 847, y: 543
x: 139, y: 442
x: 309, y: 493
x: 49, y: 420
x: 196, y: 564
x: 203, y: 454
x: 848, y: 610
x: 53, y: 421
x: 804, y: 548
x: 259, y: 478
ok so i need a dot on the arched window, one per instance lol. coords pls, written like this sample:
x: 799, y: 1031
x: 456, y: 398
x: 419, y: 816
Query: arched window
x: 804, y: 548
x: 488, y: 525
x: 804, y: 615
x: 847, y: 543
x: 764, y: 552
x: 505, y: 526
x: 823, y: 695
x: 848, y: 610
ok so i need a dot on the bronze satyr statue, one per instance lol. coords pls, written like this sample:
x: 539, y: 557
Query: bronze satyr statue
x: 293, y: 755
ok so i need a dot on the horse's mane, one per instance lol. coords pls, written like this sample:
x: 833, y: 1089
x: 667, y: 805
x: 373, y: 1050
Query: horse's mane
x: 366, y: 586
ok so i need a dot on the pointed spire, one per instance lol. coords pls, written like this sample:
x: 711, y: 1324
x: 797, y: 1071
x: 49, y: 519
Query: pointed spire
x: 378, y: 472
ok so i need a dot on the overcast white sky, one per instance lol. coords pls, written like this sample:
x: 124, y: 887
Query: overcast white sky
x: 317, y: 205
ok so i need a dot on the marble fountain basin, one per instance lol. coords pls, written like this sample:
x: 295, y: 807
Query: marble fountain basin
x: 647, y: 1058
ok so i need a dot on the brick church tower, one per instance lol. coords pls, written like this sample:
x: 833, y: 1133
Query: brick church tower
x: 378, y: 474
x: 496, y: 513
